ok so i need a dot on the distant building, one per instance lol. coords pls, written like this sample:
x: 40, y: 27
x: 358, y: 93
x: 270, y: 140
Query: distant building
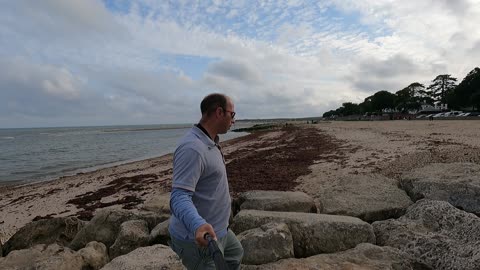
x: 428, y: 108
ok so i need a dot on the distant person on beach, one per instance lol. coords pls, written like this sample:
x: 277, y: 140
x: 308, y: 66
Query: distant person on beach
x: 200, y: 199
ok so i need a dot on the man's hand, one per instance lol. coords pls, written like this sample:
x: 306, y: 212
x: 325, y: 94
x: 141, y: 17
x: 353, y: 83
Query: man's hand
x: 200, y: 233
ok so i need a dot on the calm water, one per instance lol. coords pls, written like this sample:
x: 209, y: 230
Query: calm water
x: 39, y: 154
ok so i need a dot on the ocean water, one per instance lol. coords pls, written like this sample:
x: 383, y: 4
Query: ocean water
x: 39, y: 154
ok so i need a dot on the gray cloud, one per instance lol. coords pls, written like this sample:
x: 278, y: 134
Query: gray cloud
x: 57, y: 18
x: 457, y: 7
x: 235, y: 70
x: 372, y: 75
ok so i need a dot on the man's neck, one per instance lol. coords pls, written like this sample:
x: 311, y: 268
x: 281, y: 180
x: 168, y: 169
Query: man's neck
x: 210, y: 129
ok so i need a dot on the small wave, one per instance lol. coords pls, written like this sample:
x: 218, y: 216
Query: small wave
x: 7, y: 138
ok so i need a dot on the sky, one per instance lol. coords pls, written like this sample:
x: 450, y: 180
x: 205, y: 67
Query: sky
x: 93, y: 62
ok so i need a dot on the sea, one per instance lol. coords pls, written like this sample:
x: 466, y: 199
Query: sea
x: 41, y: 154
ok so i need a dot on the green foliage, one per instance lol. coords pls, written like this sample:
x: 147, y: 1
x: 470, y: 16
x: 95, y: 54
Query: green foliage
x: 441, y: 87
x: 475, y: 99
x: 410, y: 97
x: 463, y: 95
x: 382, y: 100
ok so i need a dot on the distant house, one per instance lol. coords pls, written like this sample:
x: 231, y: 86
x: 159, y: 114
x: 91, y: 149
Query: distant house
x: 428, y: 108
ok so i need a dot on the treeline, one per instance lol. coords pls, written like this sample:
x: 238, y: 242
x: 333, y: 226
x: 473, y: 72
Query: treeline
x: 442, y: 90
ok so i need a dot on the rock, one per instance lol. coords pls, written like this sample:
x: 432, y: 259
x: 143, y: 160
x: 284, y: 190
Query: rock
x: 157, y: 257
x: 364, y: 256
x: 51, y: 257
x: 456, y: 183
x: 312, y: 233
x: 160, y: 234
x: 368, y: 197
x: 95, y: 255
x: 133, y: 234
x: 59, y: 230
x: 159, y: 204
x: 284, y: 201
x: 269, y: 243
x: 436, y: 233
x: 103, y: 227
x: 152, y: 218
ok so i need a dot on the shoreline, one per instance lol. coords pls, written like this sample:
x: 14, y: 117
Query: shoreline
x: 52, y: 176
x: 308, y: 158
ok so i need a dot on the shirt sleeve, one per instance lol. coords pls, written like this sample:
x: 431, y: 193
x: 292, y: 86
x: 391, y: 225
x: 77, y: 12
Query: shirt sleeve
x: 182, y: 207
x: 187, y: 168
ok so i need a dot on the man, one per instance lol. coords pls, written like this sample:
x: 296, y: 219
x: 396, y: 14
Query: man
x: 200, y: 199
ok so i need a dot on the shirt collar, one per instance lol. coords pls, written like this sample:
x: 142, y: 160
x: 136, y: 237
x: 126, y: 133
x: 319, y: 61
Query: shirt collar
x: 205, y: 132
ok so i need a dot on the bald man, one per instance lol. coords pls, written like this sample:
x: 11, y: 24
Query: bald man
x: 200, y: 199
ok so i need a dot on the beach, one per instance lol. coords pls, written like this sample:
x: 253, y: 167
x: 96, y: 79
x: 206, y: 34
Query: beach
x: 301, y: 157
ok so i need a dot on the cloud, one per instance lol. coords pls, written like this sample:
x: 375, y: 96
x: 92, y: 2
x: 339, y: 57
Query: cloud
x: 72, y: 62
x: 56, y: 19
x: 235, y: 70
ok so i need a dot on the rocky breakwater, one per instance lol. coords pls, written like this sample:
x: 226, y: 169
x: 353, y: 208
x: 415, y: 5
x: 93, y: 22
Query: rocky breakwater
x: 384, y: 225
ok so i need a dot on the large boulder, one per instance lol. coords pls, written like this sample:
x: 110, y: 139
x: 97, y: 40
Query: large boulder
x: 368, y: 197
x: 59, y: 230
x: 364, y: 256
x: 284, y: 201
x: 157, y: 257
x: 312, y: 233
x: 158, y: 204
x: 269, y: 243
x: 160, y: 234
x: 133, y: 234
x: 95, y: 255
x: 105, y: 225
x: 51, y: 257
x: 437, y: 233
x: 456, y: 183
x: 152, y: 218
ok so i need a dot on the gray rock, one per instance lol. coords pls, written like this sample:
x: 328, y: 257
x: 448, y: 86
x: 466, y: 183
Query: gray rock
x: 95, y: 255
x: 456, y: 183
x: 312, y: 233
x: 133, y: 234
x: 269, y: 243
x: 103, y: 227
x: 364, y: 256
x: 152, y: 218
x: 368, y: 197
x: 45, y: 231
x: 159, y: 204
x: 284, y: 201
x: 43, y: 257
x: 160, y: 234
x: 437, y: 233
x: 157, y: 257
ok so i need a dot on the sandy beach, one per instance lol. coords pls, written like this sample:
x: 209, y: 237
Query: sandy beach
x: 303, y: 157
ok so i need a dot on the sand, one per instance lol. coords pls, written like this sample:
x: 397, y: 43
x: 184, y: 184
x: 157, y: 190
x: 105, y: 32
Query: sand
x: 302, y: 157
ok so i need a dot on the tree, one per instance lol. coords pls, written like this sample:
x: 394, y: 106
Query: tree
x: 382, y: 100
x: 410, y: 97
x: 441, y: 86
x: 462, y: 95
x: 475, y: 100
x: 350, y: 108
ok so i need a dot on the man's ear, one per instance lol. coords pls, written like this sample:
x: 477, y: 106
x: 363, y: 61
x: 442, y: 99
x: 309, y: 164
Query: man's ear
x: 219, y: 111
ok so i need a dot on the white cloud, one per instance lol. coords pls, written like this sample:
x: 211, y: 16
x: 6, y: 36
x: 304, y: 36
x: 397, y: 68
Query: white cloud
x: 275, y: 58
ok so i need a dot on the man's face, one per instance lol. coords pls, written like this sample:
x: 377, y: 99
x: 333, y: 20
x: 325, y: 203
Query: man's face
x: 228, y: 117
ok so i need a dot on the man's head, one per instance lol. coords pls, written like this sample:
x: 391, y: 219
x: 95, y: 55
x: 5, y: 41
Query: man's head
x: 218, y: 112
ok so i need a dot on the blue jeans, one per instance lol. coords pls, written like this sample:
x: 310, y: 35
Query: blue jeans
x: 199, y: 258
